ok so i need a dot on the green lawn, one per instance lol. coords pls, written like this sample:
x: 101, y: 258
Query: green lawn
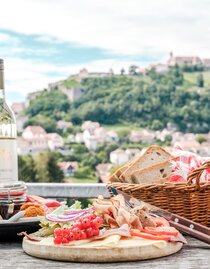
x: 192, y: 77
x: 80, y: 180
x: 71, y: 83
x: 122, y: 127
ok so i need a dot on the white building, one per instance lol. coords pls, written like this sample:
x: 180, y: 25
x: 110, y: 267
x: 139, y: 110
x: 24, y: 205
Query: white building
x: 132, y: 153
x: 79, y: 138
x: 63, y: 125
x: 119, y: 157
x: 145, y: 136
x: 92, y: 142
x: 31, y: 132
x: 18, y: 108
x: 90, y: 125
x: 31, y: 146
x: 159, y: 68
x: 54, y: 141
x: 69, y: 168
x: 103, y: 171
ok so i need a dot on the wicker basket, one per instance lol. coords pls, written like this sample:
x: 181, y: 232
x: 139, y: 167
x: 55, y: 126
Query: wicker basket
x: 190, y: 200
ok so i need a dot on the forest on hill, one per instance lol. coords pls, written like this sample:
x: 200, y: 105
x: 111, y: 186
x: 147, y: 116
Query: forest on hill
x: 149, y: 101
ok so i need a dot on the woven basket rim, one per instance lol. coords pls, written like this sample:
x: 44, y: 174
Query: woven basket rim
x: 175, y: 184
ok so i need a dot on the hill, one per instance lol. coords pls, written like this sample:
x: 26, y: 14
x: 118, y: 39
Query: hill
x: 149, y: 101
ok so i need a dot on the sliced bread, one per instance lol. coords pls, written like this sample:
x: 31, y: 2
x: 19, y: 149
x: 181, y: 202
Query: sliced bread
x: 115, y: 177
x: 157, y: 173
x: 153, y: 155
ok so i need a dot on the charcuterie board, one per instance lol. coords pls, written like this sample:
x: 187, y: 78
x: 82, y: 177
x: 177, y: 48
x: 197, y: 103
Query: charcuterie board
x: 124, y: 250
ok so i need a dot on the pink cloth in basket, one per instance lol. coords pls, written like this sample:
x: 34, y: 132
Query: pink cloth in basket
x: 185, y: 164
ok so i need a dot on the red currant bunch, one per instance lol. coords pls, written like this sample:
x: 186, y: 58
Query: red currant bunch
x: 85, y: 227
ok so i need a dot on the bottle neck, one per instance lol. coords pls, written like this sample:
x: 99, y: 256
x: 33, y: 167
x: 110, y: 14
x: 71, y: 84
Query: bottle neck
x: 2, y: 96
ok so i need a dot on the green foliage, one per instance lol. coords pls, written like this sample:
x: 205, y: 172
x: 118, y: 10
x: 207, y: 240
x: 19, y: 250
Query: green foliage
x: 200, y: 139
x: 26, y: 168
x: 149, y: 101
x: 48, y: 104
x: 192, y: 68
x: 48, y: 123
x: 40, y: 168
x: 84, y: 172
x: 71, y: 84
x: 200, y: 80
x: 132, y: 70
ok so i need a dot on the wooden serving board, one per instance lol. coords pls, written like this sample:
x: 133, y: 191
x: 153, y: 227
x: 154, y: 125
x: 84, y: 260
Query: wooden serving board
x: 126, y: 250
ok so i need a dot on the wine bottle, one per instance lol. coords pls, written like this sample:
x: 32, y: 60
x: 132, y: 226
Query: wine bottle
x: 8, y: 148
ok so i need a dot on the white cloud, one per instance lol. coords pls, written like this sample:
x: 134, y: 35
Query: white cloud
x: 120, y: 26
x: 127, y: 27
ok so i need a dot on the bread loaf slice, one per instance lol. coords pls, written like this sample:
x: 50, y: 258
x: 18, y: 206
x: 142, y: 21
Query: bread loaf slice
x: 115, y: 177
x: 152, y: 156
x: 157, y: 173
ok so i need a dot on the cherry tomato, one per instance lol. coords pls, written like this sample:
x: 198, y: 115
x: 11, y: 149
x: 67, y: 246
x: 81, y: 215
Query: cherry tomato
x: 85, y: 223
x: 89, y: 232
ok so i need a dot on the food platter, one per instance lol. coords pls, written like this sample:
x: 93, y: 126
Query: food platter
x: 9, y: 231
x: 125, y: 250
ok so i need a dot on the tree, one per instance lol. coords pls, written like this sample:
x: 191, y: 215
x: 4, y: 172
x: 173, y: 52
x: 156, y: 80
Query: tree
x: 47, y: 168
x: 27, y: 170
x: 132, y: 70
x: 200, y: 80
x: 200, y: 139
x: 122, y: 71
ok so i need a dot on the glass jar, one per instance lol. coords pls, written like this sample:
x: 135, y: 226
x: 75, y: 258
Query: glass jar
x: 6, y: 208
x: 12, y: 197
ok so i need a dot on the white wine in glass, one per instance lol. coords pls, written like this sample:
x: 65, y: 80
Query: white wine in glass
x: 8, y: 148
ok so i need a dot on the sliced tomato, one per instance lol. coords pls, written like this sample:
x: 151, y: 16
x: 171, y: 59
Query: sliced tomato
x: 160, y: 221
x: 136, y: 232
x: 159, y: 231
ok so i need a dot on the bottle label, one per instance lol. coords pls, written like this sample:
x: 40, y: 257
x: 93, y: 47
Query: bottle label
x: 8, y: 160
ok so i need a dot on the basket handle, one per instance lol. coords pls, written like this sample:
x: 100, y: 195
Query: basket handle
x: 196, y: 174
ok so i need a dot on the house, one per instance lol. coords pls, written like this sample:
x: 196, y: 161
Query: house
x: 54, y: 141
x: 68, y: 168
x: 161, y: 135
x: 20, y: 122
x: 206, y: 63
x: 92, y: 142
x: 79, y: 138
x: 132, y: 153
x: 18, y: 108
x: 118, y: 157
x: 23, y: 146
x: 103, y: 172
x: 31, y: 145
x: 159, y: 68
x: 83, y: 73
x: 90, y: 125
x: 182, y: 60
x: 101, y: 134
x: 192, y: 146
x: 145, y: 136
x: 31, y: 132
x: 63, y: 125
x: 71, y: 138
x: 112, y: 136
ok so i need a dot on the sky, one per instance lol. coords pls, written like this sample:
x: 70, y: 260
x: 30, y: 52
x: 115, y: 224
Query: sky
x: 44, y: 41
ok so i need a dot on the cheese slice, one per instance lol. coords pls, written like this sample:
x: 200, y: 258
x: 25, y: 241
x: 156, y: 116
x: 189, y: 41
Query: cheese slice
x: 110, y: 241
x: 137, y: 241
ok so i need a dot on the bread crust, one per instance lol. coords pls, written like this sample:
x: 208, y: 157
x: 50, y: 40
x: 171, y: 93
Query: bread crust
x: 124, y: 176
